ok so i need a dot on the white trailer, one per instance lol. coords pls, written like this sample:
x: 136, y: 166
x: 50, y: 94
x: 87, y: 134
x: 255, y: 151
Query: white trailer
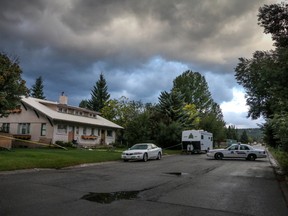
x: 196, y: 141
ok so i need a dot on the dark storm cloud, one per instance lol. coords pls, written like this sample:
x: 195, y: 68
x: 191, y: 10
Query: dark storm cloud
x: 140, y: 46
x: 180, y: 30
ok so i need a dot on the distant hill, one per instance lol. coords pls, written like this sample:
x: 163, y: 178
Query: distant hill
x: 254, y: 133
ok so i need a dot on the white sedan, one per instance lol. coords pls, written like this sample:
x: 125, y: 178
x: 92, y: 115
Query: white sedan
x: 142, y: 151
x: 237, y: 151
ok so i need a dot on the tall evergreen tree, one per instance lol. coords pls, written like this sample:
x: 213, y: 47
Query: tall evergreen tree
x: 171, y: 107
x: 37, y: 89
x: 99, y: 95
x: 231, y: 132
x: 244, y: 137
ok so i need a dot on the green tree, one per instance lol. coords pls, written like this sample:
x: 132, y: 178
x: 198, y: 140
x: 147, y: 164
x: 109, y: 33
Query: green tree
x: 84, y: 104
x: 274, y: 20
x: 193, y: 116
x: 213, y: 122
x: 171, y: 106
x: 195, y: 90
x: 264, y: 80
x: 169, y: 135
x: 279, y: 125
x: 231, y: 133
x: 171, y: 118
x: 139, y: 128
x: 264, y: 76
x: 111, y: 110
x: 244, y: 137
x: 12, y: 86
x: 37, y: 89
x: 99, y: 95
x: 132, y: 115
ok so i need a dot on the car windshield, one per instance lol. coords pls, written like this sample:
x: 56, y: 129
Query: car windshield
x: 141, y: 146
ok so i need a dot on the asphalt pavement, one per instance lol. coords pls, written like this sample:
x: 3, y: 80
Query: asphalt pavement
x: 175, y: 185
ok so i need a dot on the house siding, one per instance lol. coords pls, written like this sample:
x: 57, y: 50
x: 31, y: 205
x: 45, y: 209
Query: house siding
x: 78, y: 137
x: 27, y: 116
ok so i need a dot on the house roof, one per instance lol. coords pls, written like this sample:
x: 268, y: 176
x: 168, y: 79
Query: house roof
x: 42, y: 106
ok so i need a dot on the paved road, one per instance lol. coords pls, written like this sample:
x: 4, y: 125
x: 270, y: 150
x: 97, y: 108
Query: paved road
x: 176, y: 185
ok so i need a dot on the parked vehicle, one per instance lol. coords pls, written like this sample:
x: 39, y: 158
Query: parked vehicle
x: 196, y: 141
x: 237, y: 151
x: 142, y: 151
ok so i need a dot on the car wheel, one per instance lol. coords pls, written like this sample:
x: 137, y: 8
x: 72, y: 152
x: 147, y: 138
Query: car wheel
x: 251, y: 157
x: 145, y: 157
x: 218, y: 156
x: 125, y: 160
x: 159, y: 156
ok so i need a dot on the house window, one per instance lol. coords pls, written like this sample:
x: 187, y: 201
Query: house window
x: 77, y: 130
x: 24, y: 128
x: 5, y: 127
x: 109, y: 133
x: 93, y: 131
x: 84, y: 130
x: 43, y: 129
x: 98, y: 132
x: 202, y: 137
x: 61, y: 128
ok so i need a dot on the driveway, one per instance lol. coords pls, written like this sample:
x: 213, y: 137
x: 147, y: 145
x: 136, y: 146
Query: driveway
x: 175, y: 185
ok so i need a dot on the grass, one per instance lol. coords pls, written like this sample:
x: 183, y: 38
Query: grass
x: 21, y: 158
x: 52, y: 158
x: 281, y: 157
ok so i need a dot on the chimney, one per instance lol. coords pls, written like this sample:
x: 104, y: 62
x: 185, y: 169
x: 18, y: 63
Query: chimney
x: 63, y: 99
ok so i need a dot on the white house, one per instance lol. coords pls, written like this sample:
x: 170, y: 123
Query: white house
x: 37, y: 120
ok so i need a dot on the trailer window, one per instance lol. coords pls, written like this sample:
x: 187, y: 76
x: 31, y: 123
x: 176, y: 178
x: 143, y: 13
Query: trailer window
x: 202, y: 137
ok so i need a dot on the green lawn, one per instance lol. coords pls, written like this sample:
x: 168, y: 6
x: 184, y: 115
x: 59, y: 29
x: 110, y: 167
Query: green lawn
x: 56, y: 158
x: 52, y: 158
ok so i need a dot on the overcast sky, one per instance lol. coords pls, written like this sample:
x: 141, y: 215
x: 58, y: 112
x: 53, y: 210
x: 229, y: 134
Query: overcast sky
x: 139, y: 46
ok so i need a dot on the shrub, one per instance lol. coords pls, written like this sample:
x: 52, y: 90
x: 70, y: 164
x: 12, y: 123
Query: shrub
x: 64, y: 144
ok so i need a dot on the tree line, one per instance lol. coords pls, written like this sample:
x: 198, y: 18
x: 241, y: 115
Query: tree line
x: 188, y: 105
x: 265, y: 76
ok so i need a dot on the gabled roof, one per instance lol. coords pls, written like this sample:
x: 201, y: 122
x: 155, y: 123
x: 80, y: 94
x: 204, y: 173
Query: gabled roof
x: 42, y: 107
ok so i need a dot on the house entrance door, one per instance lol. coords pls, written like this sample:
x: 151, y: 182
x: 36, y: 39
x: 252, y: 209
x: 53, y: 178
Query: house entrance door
x: 71, y: 134
x: 103, y: 141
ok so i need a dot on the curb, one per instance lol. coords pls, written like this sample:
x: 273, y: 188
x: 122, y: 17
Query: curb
x: 280, y: 176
